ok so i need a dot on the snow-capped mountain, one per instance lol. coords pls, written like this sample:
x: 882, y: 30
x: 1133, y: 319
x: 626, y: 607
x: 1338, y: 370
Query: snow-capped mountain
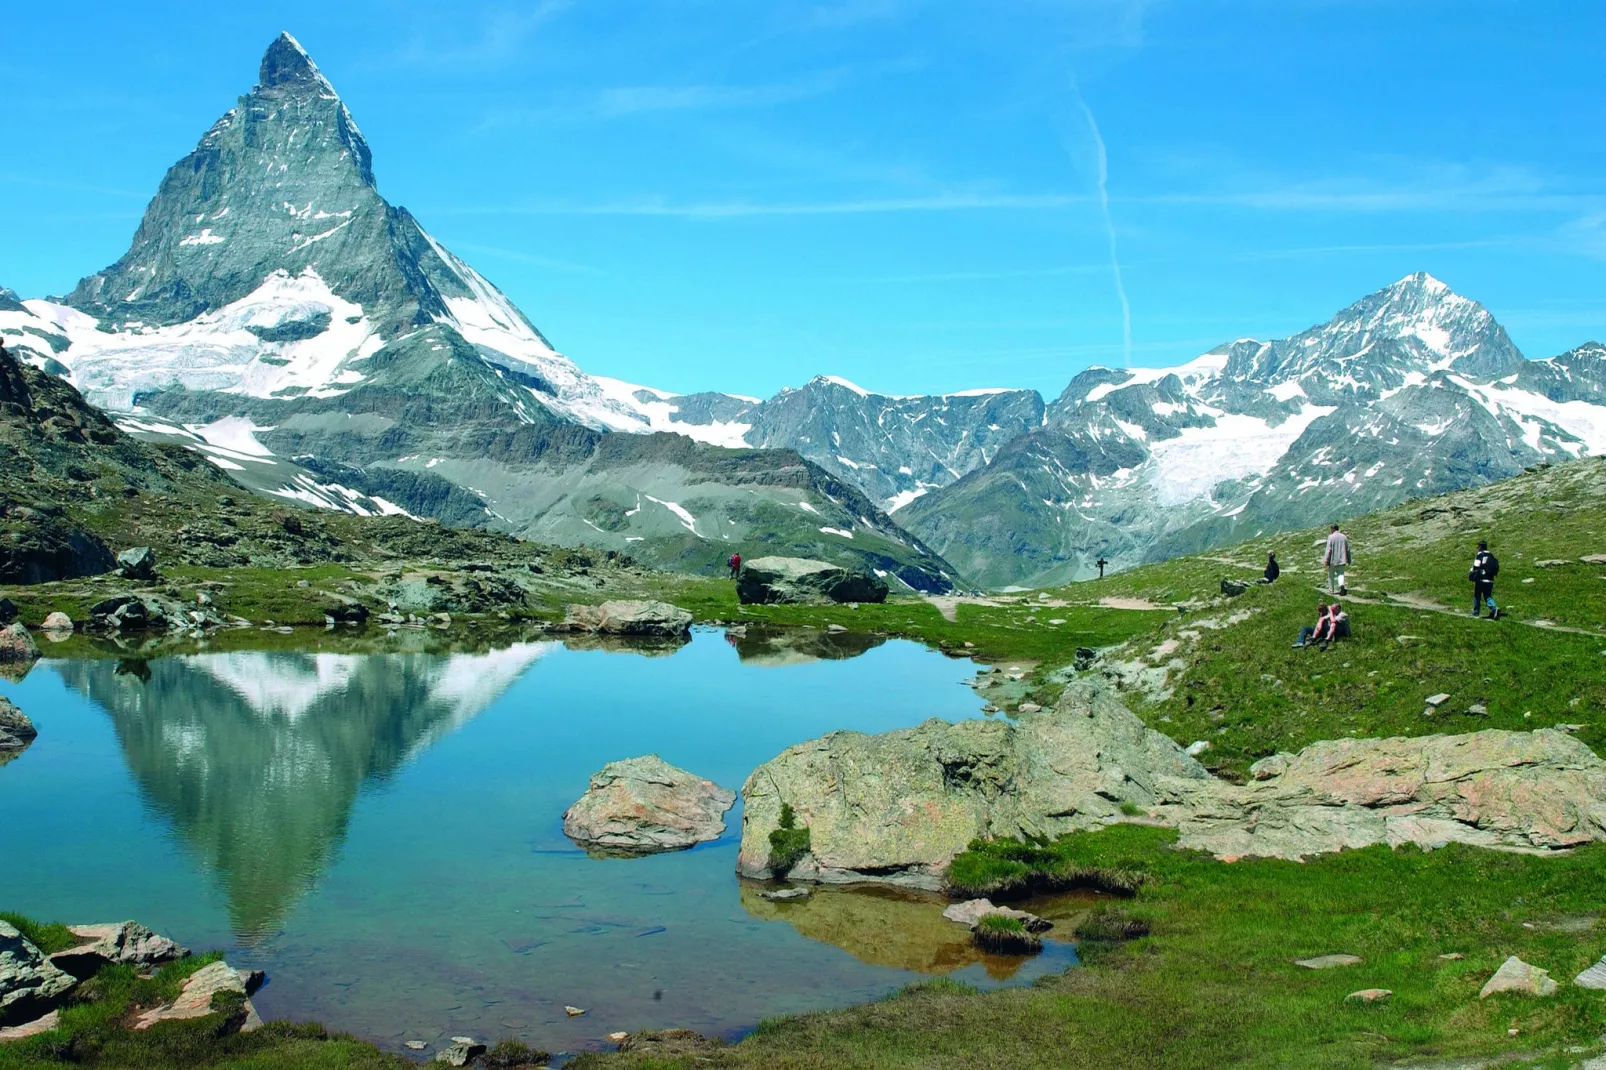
x: 278, y: 315
x: 1412, y: 390
x: 893, y: 447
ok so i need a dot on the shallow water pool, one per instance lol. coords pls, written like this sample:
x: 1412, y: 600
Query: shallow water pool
x: 381, y: 832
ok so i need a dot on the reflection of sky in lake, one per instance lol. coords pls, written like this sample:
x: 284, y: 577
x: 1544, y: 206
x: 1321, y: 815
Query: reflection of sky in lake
x: 382, y: 832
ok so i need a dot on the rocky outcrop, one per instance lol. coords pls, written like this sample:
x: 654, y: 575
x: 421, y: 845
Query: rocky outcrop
x: 898, y: 807
x: 29, y: 985
x: 645, y: 805
x: 16, y: 644
x: 627, y: 618
x: 195, y: 999
x: 40, y: 544
x: 16, y: 731
x: 125, y: 942
x: 128, y: 612
x: 770, y: 580
x: 1524, y: 790
x: 137, y: 563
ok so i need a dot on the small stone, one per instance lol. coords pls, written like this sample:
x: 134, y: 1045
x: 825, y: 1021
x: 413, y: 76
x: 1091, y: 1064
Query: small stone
x: 1478, y: 709
x: 969, y: 645
x: 1407, y: 640
x: 1029, y: 707
x: 58, y: 622
x: 1594, y: 977
x: 1437, y: 700
x: 1370, y: 995
x: 1515, y: 975
x: 573, y: 1012
x: 833, y: 628
x: 303, y: 583
x: 463, y: 1051
x: 618, y: 1037
x: 1453, y: 956
x: 1196, y: 748
x: 417, y: 1045
x: 1327, y: 962
x: 787, y: 893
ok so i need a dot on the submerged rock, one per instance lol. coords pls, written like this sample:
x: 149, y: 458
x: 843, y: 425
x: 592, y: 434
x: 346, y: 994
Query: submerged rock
x: 645, y: 805
x: 769, y: 580
x: 29, y: 985
x: 973, y: 910
x: 627, y: 618
x: 461, y: 1052
x: 898, y: 807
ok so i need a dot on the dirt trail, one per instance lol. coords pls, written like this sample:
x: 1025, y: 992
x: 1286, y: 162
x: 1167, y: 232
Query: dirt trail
x: 948, y: 604
x: 1424, y: 604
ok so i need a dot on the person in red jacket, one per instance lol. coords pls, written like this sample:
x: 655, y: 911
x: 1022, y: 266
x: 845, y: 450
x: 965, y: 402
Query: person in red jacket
x: 735, y: 564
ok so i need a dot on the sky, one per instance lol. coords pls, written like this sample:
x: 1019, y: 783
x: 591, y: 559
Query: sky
x: 920, y: 197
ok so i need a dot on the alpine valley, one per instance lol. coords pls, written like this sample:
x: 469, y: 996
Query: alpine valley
x: 278, y: 316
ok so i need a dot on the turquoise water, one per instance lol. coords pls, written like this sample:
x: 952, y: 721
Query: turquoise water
x: 381, y: 833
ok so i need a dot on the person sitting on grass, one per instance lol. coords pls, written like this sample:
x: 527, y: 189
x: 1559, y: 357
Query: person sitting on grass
x: 1331, y: 623
x: 1273, y: 570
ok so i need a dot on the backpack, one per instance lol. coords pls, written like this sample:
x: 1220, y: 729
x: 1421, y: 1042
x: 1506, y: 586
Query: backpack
x: 1341, y: 626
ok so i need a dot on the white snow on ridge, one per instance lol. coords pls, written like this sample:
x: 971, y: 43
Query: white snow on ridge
x: 686, y: 518
x: 1188, y: 467
x: 658, y: 415
x: 218, y: 350
x: 904, y: 497
x: 1580, y: 418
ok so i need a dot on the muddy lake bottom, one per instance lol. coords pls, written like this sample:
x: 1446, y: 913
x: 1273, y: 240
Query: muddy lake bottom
x: 381, y: 832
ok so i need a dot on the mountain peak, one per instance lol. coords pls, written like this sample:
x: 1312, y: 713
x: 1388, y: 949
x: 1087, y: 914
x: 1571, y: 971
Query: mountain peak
x: 286, y: 63
x: 1420, y: 282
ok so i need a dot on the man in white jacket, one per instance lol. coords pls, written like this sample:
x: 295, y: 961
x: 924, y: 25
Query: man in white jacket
x: 1336, y: 558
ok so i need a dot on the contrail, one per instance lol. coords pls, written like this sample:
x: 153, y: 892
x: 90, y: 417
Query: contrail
x: 1109, y: 224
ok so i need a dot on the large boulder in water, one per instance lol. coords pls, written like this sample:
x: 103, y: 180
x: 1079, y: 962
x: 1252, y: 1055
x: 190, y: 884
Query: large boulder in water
x: 769, y: 580
x: 29, y: 985
x: 627, y: 618
x: 16, y: 644
x: 899, y: 806
x: 644, y: 805
x: 16, y: 731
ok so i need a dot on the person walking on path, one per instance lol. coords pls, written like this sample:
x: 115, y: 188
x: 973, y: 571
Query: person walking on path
x: 1336, y: 558
x: 735, y: 563
x: 1485, y: 567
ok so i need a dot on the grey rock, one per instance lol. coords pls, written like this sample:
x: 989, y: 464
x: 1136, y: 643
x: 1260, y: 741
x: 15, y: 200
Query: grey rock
x: 125, y: 942
x: 1594, y: 977
x: 195, y: 998
x: 897, y: 807
x: 972, y: 911
x: 8, y: 611
x: 1327, y: 962
x: 783, y: 894
x: 1437, y: 700
x: 1515, y: 975
x: 137, y: 563
x: 645, y: 805
x: 16, y: 731
x: 627, y: 618
x: 1197, y: 747
x: 1233, y: 588
x: 1478, y: 709
x: 31, y: 1029
x: 1370, y: 995
x: 461, y: 1052
x: 416, y: 1045
x: 16, y: 644
x: 771, y: 580
x: 29, y: 985
x: 58, y: 622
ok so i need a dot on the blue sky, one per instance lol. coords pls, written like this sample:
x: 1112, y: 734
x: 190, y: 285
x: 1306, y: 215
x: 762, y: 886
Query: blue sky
x: 707, y: 195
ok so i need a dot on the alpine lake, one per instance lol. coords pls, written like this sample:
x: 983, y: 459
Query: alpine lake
x: 380, y: 832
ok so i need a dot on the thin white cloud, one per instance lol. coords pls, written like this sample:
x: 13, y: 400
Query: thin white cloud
x: 623, y: 102
x: 1103, y: 178
x: 945, y: 202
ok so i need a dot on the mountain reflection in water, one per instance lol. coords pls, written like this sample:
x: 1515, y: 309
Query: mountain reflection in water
x: 257, y: 757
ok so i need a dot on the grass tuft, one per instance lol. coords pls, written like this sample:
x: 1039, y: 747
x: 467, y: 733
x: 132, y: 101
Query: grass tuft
x: 1005, y: 935
x: 1015, y: 868
x: 49, y: 938
x: 788, y: 844
x: 510, y: 1054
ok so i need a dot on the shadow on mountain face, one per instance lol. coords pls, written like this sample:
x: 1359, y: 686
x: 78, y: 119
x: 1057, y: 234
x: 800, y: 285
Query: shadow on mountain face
x: 773, y: 647
x: 257, y: 757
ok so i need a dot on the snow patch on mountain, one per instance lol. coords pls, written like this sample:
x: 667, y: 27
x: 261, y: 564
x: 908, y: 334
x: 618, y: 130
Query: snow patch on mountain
x: 658, y: 414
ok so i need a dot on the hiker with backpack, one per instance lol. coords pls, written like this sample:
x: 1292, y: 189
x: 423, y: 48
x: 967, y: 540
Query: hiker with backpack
x: 1485, y: 567
x: 734, y: 562
x: 1337, y: 559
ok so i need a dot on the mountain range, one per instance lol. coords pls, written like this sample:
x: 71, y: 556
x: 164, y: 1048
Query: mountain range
x: 278, y: 316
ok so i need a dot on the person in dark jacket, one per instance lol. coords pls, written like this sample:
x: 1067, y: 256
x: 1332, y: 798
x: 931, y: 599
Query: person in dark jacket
x: 1485, y: 567
x: 1272, y: 569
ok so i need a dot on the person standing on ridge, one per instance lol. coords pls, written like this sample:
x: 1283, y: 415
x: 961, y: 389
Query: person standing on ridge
x: 1337, y: 559
x: 1485, y: 567
x: 735, y: 563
